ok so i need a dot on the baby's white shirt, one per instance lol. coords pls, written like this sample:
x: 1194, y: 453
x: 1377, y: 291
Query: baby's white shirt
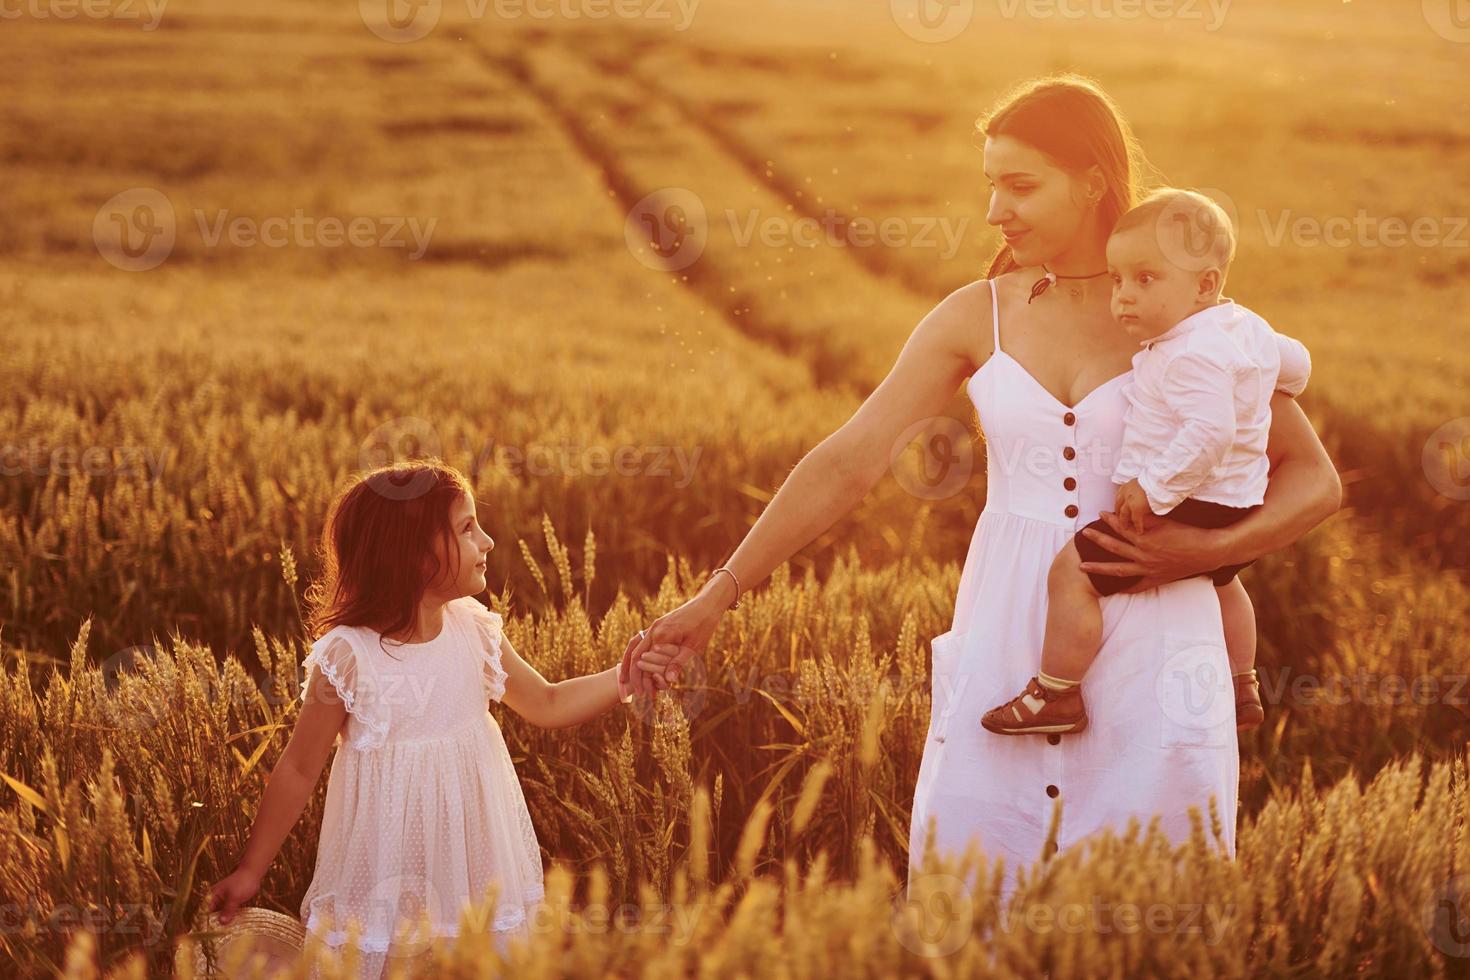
x: 1199, y: 407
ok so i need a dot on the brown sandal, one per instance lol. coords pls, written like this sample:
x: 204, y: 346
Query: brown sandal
x: 1038, y: 710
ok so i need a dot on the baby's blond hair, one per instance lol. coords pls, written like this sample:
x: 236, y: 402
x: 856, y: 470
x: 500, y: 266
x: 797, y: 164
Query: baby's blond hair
x: 1193, y: 231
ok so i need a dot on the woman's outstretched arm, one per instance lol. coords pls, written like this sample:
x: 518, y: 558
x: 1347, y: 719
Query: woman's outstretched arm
x: 839, y: 472
x: 1303, y: 491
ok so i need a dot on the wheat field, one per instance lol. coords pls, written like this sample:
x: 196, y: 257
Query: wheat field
x: 365, y: 243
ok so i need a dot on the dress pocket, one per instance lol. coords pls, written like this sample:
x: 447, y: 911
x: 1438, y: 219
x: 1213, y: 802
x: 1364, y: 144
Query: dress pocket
x: 945, y: 681
x: 1195, y: 696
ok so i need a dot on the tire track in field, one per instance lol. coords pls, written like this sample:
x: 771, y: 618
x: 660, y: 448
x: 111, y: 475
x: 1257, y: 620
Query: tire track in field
x: 827, y: 368
x: 873, y: 259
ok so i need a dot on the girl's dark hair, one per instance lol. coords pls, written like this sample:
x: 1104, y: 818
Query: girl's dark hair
x: 1074, y: 123
x: 378, y: 551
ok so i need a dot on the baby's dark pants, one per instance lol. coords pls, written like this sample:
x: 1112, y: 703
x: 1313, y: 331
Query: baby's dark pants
x: 1195, y: 513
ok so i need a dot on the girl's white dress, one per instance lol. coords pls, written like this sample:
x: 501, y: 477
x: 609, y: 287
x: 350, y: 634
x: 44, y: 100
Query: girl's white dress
x: 1160, y: 704
x: 424, y: 812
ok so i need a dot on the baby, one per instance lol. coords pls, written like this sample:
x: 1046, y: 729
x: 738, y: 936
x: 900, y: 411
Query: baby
x: 1194, y: 442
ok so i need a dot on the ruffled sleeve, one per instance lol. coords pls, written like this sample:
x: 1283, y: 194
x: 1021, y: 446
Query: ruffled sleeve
x: 336, y: 657
x: 487, y: 633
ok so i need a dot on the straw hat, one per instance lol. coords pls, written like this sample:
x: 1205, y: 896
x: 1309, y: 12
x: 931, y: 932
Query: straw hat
x: 276, y: 938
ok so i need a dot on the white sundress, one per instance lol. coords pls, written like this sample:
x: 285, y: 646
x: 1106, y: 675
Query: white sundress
x: 424, y: 810
x: 1160, y: 704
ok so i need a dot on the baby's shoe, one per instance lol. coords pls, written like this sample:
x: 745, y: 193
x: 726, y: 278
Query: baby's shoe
x: 1038, y: 710
x: 1248, y: 709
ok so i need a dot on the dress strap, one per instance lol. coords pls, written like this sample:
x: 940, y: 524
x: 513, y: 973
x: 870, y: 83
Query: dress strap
x: 994, y: 315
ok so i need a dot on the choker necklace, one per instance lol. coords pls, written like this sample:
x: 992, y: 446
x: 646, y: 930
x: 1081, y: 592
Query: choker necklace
x: 1050, y: 279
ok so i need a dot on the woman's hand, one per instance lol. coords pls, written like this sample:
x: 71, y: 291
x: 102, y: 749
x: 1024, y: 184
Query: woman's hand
x: 231, y: 892
x: 659, y: 652
x: 1165, y: 552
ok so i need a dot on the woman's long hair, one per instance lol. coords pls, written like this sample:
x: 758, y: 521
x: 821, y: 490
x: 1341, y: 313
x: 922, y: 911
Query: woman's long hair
x: 1075, y: 124
x: 378, y: 550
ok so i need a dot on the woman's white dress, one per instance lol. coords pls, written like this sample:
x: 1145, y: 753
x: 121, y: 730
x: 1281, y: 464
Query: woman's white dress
x: 1160, y: 704
x: 424, y: 811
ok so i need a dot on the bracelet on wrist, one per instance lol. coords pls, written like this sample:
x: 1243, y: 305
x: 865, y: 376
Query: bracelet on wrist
x: 726, y: 569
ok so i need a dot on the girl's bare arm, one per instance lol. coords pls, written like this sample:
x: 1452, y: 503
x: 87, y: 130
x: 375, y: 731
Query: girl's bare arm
x: 555, y: 705
x: 296, y: 774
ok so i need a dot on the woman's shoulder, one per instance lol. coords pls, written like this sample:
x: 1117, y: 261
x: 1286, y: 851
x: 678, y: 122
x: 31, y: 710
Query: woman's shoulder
x: 959, y: 324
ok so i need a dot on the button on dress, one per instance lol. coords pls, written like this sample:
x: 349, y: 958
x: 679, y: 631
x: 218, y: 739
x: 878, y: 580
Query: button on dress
x: 424, y: 811
x: 1161, y: 712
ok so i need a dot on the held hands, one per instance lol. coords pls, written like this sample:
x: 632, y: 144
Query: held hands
x: 655, y: 657
x: 231, y: 892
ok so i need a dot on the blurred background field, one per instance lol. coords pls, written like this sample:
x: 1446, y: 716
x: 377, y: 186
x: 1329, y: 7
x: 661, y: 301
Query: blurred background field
x: 172, y: 429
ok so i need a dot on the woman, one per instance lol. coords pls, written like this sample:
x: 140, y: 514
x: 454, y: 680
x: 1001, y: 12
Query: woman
x: 1045, y: 375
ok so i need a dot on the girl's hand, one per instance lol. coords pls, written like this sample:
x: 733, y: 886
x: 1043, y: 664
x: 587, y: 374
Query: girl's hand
x: 681, y: 633
x: 1165, y: 552
x: 231, y: 892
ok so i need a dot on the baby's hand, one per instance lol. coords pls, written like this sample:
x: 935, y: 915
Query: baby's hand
x: 1132, y: 506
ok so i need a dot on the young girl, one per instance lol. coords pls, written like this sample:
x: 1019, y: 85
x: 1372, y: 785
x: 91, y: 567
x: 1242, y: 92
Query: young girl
x: 423, y: 811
